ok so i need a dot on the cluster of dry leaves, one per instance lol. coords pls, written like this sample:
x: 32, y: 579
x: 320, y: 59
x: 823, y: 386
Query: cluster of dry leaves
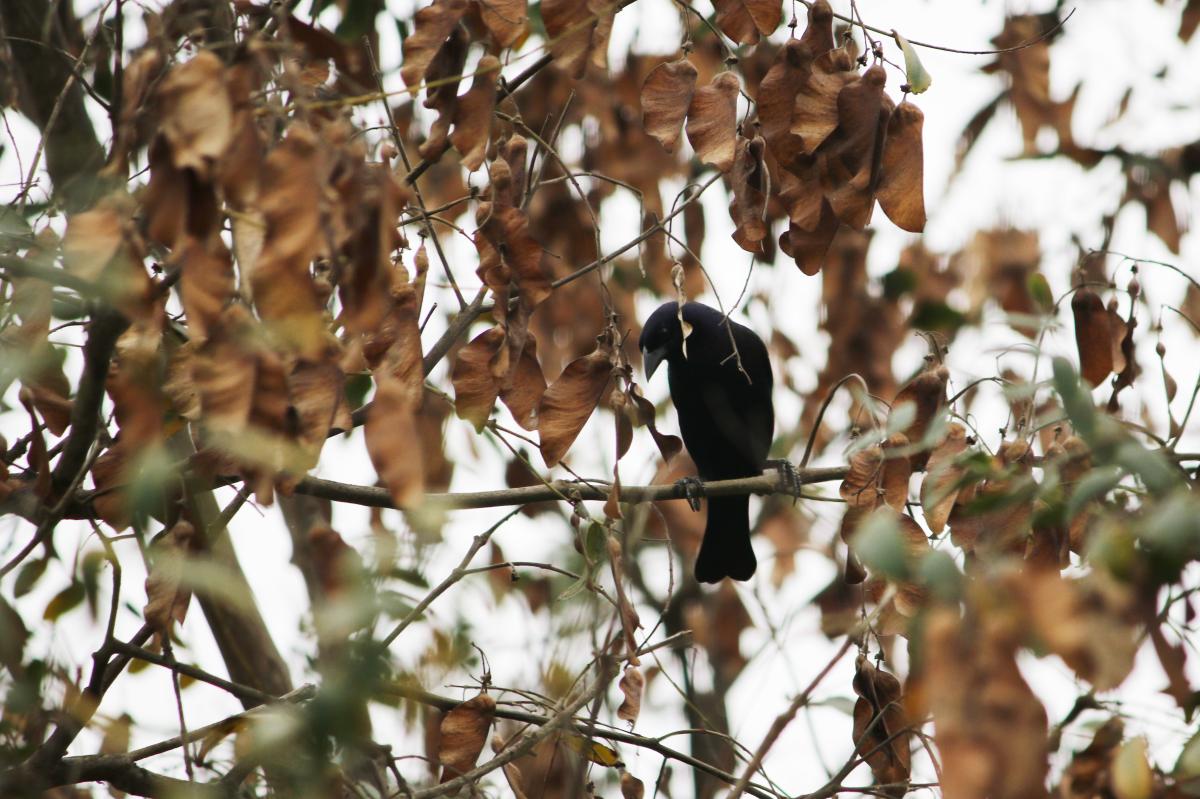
x: 263, y: 269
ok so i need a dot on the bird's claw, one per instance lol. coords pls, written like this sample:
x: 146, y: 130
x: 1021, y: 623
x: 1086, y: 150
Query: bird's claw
x: 788, y: 476
x: 693, y: 490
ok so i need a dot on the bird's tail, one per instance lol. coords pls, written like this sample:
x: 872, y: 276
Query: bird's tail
x: 725, y: 550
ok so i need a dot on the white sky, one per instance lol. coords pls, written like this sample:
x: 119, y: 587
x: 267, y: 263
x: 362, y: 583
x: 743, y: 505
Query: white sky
x: 1055, y: 197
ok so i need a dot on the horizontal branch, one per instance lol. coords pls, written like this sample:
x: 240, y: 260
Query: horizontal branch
x: 771, y: 482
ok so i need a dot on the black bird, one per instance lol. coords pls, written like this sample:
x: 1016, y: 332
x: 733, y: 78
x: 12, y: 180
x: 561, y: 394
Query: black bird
x: 726, y: 417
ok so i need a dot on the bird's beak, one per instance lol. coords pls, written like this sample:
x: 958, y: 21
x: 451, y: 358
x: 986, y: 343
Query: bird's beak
x: 651, y: 359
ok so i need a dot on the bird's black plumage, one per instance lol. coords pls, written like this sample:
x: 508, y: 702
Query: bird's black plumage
x: 725, y: 415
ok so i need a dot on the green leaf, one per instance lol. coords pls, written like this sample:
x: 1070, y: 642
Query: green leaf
x: 879, y: 545
x: 1076, y: 401
x: 28, y: 576
x: 898, y: 282
x: 914, y: 71
x: 357, y: 386
x: 64, y: 600
x: 936, y: 316
x: 595, y: 546
x: 89, y: 568
x: 940, y: 573
x: 1039, y: 289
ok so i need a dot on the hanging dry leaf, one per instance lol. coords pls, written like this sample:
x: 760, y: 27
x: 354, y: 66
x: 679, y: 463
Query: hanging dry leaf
x: 939, y: 488
x: 197, y: 113
x: 631, y: 786
x: 473, y: 114
x: 570, y: 399
x: 712, y: 121
x: 475, y: 389
x: 431, y: 26
x: 507, y: 20
x: 578, y: 31
x: 166, y: 599
x: 392, y: 436
x: 666, y: 96
x: 464, y: 731
x: 745, y: 21
x: 1093, y: 337
x: 632, y: 683
x: 882, y: 732
x: 751, y: 185
x: 901, y: 192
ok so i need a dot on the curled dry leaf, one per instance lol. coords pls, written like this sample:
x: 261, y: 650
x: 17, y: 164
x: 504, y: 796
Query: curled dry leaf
x: 464, y: 731
x: 570, y: 399
x: 668, y: 446
x: 666, y: 96
x: 751, y: 185
x: 776, y: 101
x: 939, y: 488
x: 284, y: 293
x: 578, y: 31
x: 745, y: 21
x: 808, y: 247
x: 197, y: 113
x: 431, y: 26
x: 712, y: 121
x: 166, y: 599
x: 1093, y: 338
x: 445, y: 72
x: 631, y: 786
x: 475, y: 389
x: 315, y: 393
x: 392, y: 438
x: 633, y: 682
x: 815, y: 113
x: 853, y: 156
x: 206, y: 283
x: 901, y: 192
x: 882, y: 731
x: 473, y: 114
x: 506, y: 20
x: 926, y: 393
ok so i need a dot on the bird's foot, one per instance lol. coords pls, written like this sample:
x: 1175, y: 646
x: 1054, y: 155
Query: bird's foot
x: 693, y: 490
x: 788, y: 476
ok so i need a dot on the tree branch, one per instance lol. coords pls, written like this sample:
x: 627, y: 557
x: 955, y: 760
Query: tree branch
x: 371, y: 496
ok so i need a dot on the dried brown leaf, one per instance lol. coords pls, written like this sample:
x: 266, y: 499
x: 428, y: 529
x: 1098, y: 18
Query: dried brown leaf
x: 901, y: 192
x: 475, y: 389
x: 939, y: 487
x: 473, y: 114
x: 431, y: 26
x: 197, y: 113
x: 1093, y: 337
x: 392, y: 441
x: 666, y: 96
x: 507, y: 20
x: 570, y: 400
x: 751, y: 184
x: 464, y: 731
x: 166, y: 599
x: 632, y: 683
x: 712, y: 121
x: 745, y: 21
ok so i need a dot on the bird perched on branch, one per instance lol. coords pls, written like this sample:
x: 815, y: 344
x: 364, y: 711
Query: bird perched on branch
x: 720, y: 379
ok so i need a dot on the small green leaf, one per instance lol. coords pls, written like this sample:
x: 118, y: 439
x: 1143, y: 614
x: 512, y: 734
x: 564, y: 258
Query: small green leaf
x: 1039, y: 289
x: 64, y: 600
x: 936, y: 316
x: 358, y: 19
x: 914, y: 71
x: 939, y: 571
x: 879, y: 545
x: 595, y: 543
x: 28, y: 576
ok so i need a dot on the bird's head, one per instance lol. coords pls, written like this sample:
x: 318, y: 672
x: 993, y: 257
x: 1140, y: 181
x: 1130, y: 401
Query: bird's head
x: 662, y: 337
